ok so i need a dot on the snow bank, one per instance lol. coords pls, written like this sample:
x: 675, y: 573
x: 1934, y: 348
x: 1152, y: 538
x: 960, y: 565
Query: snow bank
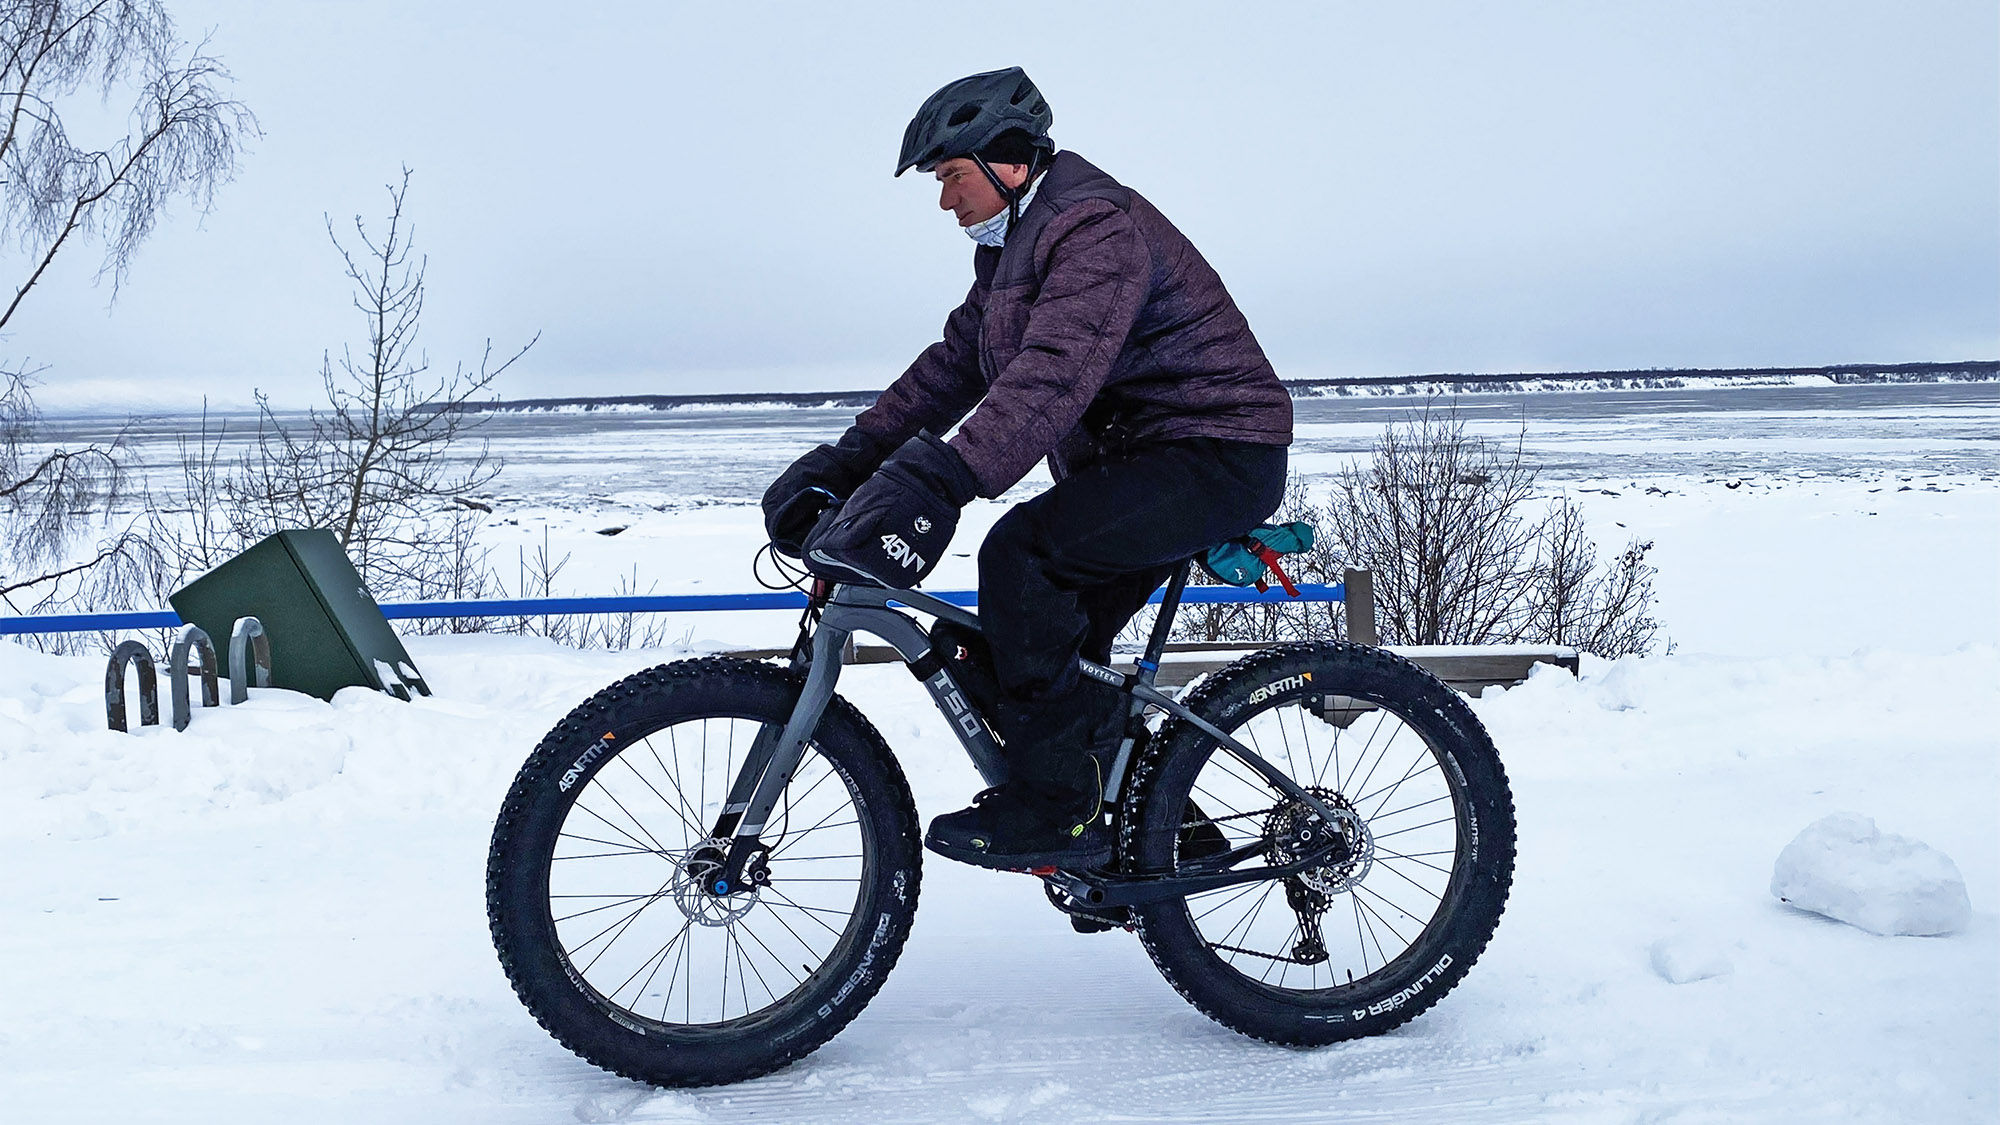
x: 1844, y: 867
x: 277, y: 914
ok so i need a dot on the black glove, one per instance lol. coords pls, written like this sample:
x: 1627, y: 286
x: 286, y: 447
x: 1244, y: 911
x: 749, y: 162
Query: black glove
x: 816, y: 482
x: 895, y: 527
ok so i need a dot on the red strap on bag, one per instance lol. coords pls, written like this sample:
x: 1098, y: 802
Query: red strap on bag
x: 1270, y: 558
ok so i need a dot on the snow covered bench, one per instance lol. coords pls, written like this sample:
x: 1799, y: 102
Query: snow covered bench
x: 1467, y: 668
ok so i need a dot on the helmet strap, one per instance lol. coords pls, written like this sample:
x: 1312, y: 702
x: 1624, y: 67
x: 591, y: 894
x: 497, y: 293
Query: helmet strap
x: 1011, y: 195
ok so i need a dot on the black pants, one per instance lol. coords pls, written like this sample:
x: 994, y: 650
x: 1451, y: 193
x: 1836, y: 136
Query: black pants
x: 1060, y: 575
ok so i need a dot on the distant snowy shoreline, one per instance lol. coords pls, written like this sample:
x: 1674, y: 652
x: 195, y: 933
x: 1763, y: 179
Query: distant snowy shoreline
x: 1535, y: 383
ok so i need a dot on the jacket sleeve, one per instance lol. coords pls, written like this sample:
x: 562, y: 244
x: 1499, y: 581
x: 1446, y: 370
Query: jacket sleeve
x: 940, y: 386
x: 1099, y: 272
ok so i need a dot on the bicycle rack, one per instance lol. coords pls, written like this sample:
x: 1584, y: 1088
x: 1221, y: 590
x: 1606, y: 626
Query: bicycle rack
x: 114, y: 686
x: 247, y: 638
x: 249, y: 649
x: 192, y: 637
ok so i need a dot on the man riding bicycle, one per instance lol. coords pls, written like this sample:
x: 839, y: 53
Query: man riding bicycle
x: 1094, y: 335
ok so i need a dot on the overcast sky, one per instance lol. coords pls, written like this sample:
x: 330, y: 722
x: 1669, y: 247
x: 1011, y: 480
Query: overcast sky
x: 693, y: 198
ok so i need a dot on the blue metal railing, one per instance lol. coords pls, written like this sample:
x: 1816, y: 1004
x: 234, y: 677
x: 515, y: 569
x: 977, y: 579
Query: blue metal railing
x: 632, y: 603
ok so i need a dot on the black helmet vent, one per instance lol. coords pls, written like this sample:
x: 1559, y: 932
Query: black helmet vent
x: 969, y: 114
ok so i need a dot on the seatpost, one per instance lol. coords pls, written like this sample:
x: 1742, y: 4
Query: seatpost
x: 1170, y: 602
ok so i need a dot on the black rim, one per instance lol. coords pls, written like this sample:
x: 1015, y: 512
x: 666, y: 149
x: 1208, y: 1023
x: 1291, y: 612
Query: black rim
x: 1340, y: 926
x: 627, y: 906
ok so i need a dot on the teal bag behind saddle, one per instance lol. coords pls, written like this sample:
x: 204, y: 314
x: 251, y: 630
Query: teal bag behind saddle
x: 1239, y: 561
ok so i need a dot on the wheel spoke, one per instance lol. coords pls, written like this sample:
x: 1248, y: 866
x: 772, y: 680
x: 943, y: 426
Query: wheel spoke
x: 707, y: 959
x: 693, y: 815
x: 692, y: 832
x: 655, y: 849
x: 1416, y: 827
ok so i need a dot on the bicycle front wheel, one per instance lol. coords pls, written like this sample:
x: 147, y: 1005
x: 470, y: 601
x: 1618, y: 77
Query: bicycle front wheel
x: 599, y: 873
x: 1367, y: 941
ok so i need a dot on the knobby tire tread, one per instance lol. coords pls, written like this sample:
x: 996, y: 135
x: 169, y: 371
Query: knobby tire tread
x: 1176, y: 737
x: 903, y: 850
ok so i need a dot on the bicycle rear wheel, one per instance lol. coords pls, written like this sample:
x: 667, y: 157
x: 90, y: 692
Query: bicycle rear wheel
x: 1357, y: 946
x: 598, y: 873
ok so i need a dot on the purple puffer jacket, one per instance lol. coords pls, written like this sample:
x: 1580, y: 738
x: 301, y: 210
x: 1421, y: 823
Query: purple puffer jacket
x: 1098, y: 325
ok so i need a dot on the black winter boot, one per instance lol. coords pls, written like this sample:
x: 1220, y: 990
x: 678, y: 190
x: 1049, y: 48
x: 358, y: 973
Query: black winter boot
x: 1009, y: 829
x: 1048, y: 814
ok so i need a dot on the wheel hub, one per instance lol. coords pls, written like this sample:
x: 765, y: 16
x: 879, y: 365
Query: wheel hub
x: 1294, y: 831
x: 695, y: 878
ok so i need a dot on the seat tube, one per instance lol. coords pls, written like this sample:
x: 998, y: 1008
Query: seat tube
x: 1148, y: 668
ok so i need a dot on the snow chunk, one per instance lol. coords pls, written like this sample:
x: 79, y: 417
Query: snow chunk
x: 1842, y: 866
x: 1681, y: 958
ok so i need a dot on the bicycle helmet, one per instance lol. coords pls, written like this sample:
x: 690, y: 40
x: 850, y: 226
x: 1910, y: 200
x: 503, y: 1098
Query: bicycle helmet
x: 971, y: 113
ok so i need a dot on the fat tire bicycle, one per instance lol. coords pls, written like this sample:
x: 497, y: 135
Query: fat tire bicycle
x: 708, y: 868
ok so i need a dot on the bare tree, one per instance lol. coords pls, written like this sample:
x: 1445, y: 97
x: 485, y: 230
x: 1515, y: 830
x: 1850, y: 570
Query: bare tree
x: 57, y: 189
x: 48, y: 499
x: 382, y: 465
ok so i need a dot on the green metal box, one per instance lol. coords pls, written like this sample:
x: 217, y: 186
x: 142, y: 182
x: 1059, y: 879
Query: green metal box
x: 325, y: 630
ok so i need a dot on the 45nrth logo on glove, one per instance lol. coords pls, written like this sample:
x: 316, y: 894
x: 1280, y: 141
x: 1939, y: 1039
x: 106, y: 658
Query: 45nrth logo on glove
x: 901, y: 552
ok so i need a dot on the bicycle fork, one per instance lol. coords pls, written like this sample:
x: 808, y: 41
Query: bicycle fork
x: 776, y: 752
x: 774, y: 756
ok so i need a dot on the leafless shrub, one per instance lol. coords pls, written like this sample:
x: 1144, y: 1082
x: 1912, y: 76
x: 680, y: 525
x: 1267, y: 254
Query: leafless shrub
x: 1573, y: 601
x: 1461, y: 554
x: 536, y: 578
x: 382, y: 464
x: 1437, y: 516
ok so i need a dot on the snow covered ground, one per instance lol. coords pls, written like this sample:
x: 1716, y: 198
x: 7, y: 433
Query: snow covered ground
x: 278, y: 913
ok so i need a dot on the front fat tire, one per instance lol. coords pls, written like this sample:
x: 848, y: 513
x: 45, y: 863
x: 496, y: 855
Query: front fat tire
x: 524, y: 841
x: 1468, y: 913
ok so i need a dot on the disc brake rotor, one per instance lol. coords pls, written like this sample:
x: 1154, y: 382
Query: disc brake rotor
x: 696, y: 872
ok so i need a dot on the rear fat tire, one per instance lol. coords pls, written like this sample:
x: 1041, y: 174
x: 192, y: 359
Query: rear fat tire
x: 524, y: 841
x: 1471, y: 904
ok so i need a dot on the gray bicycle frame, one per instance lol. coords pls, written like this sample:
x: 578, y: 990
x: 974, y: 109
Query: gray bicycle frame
x: 776, y: 751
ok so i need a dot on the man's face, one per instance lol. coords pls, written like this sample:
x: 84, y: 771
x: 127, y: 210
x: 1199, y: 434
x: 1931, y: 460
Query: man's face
x: 966, y: 192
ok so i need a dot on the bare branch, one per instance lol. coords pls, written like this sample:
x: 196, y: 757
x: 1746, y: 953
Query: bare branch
x: 183, y: 143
